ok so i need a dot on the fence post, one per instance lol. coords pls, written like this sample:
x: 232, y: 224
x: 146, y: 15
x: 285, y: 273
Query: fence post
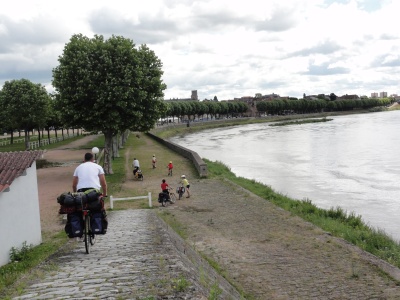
x: 150, y: 204
x: 111, y: 202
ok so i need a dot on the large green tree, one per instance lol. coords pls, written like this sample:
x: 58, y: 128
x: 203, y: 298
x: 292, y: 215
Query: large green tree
x: 25, y: 106
x: 109, y: 86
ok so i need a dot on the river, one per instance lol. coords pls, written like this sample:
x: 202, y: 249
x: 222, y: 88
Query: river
x: 351, y: 162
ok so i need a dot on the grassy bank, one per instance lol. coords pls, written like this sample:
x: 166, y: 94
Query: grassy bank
x: 335, y: 220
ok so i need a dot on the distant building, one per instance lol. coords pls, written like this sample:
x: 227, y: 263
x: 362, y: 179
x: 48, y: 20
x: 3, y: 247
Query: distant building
x: 374, y: 95
x: 194, y: 95
x: 383, y: 95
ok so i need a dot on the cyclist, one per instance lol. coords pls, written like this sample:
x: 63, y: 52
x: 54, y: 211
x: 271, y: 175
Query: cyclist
x: 89, y: 175
x: 186, y: 184
x: 135, y: 165
x: 164, y: 186
x: 165, y: 191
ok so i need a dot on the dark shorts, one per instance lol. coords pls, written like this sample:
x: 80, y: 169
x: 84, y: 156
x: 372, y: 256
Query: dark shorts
x: 188, y: 186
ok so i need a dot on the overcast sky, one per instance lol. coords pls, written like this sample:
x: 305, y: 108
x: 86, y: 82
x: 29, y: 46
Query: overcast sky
x: 223, y: 48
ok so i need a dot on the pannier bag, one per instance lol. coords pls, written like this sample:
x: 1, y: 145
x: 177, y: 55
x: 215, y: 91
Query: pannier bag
x: 162, y: 197
x: 79, y: 198
x: 74, y: 226
x: 99, y: 222
x: 72, y: 199
x: 97, y: 205
x: 92, y: 195
x: 96, y: 222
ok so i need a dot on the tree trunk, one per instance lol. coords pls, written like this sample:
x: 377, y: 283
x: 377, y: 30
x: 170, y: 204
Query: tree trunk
x: 48, y: 134
x: 125, y: 136
x: 107, y: 153
x: 115, y: 146
x: 121, y: 141
x: 26, y: 139
x: 39, y: 136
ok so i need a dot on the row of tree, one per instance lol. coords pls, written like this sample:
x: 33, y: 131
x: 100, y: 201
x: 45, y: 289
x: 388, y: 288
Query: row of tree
x: 211, y: 109
x: 301, y: 106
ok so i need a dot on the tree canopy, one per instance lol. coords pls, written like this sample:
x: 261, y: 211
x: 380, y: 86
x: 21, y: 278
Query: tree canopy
x: 25, y: 105
x: 109, y: 86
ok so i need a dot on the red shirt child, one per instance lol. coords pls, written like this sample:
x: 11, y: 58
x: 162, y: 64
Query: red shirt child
x: 164, y: 186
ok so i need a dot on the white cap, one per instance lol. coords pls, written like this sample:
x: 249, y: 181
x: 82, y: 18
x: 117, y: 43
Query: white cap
x: 183, y: 176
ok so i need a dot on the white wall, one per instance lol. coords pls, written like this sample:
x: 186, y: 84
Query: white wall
x: 20, y: 214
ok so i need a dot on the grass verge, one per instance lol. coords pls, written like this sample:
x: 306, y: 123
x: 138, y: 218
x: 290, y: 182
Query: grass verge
x: 15, y: 275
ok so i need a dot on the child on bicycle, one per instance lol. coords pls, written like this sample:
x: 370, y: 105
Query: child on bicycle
x: 164, y: 186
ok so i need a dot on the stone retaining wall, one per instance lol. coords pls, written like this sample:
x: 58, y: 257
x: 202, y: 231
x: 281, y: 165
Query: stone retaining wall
x: 209, y: 279
x: 200, y: 165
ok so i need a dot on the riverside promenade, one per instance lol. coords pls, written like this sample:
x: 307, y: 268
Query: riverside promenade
x: 263, y: 251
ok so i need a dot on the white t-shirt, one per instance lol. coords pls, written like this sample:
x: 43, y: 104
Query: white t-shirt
x: 88, y: 175
x: 135, y: 163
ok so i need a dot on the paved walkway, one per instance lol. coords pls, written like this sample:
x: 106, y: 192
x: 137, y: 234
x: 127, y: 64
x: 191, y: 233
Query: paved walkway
x: 136, y: 259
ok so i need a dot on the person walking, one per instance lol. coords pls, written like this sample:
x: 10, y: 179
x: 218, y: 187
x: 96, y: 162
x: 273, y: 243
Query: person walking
x: 153, y: 161
x: 186, y: 184
x: 135, y: 165
x: 89, y: 175
x: 170, y: 167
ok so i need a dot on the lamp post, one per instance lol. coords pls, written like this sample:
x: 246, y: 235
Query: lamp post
x: 95, y: 150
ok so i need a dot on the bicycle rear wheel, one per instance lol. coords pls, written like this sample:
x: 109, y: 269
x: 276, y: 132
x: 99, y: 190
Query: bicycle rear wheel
x: 86, y: 233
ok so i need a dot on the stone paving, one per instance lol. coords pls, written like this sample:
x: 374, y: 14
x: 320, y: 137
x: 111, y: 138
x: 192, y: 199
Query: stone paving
x: 136, y: 259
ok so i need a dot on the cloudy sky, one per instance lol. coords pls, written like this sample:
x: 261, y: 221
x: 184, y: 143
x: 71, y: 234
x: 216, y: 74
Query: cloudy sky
x: 223, y: 48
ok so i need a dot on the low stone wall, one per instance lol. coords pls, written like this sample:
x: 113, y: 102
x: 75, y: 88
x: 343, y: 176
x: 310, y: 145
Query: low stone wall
x: 203, y: 272
x: 200, y: 165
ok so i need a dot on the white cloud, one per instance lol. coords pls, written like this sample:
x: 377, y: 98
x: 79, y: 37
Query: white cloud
x: 223, y: 48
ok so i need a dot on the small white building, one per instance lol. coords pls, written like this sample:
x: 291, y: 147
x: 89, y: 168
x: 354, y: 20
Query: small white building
x: 19, y: 202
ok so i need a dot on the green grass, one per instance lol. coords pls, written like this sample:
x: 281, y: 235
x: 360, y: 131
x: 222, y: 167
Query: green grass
x: 25, y: 259
x: 335, y: 220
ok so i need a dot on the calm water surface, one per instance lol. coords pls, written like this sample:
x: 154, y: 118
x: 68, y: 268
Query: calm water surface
x: 351, y: 162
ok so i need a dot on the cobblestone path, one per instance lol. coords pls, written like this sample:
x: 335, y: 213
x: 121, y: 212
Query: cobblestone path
x: 134, y: 260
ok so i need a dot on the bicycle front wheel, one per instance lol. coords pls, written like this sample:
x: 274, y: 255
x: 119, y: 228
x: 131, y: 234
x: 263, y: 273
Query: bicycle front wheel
x: 172, y: 197
x: 86, y: 233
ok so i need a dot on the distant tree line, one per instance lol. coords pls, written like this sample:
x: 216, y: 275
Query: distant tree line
x: 211, y: 109
x: 301, y: 106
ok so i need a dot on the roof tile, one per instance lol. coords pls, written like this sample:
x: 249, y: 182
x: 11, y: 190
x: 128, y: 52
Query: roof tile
x: 14, y: 164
